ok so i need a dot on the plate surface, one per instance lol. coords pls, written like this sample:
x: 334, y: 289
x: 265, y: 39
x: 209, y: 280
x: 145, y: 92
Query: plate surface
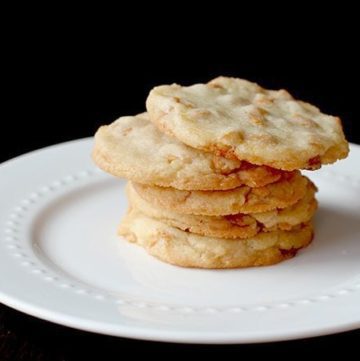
x: 61, y: 260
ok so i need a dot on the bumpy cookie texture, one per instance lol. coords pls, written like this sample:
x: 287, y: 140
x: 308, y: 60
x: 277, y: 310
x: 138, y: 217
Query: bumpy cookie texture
x: 190, y: 250
x: 234, y: 226
x: 243, y: 199
x: 132, y: 147
x: 239, y: 119
x: 289, y: 217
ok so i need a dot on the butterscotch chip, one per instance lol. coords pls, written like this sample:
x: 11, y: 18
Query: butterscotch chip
x: 132, y: 147
x: 245, y: 121
x: 281, y: 194
x: 190, y: 250
x: 233, y: 226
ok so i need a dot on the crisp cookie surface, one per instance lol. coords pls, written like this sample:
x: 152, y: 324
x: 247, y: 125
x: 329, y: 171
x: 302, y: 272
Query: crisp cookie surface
x: 132, y: 147
x: 190, y: 250
x: 243, y: 199
x: 239, y: 119
x: 235, y: 226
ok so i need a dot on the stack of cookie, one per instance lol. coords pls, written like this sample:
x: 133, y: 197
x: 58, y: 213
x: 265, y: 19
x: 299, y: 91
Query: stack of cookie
x: 214, y: 172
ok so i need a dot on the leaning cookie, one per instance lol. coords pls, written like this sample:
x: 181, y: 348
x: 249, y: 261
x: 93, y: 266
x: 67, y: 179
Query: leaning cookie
x: 234, y: 226
x: 243, y: 199
x: 241, y: 120
x: 190, y: 250
x: 132, y: 147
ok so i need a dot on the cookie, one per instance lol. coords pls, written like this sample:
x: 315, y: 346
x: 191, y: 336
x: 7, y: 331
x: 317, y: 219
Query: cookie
x: 186, y: 249
x: 132, y: 147
x: 234, y: 226
x: 287, y: 218
x: 243, y: 199
x: 239, y: 119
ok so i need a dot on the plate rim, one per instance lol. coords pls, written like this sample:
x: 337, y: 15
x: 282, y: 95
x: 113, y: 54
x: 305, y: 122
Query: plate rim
x: 171, y: 336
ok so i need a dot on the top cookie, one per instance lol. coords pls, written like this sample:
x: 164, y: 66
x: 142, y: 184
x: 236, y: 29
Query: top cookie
x: 239, y: 119
x: 132, y: 147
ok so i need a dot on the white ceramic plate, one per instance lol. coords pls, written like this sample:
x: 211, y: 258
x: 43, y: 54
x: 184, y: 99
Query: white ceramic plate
x: 61, y: 260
